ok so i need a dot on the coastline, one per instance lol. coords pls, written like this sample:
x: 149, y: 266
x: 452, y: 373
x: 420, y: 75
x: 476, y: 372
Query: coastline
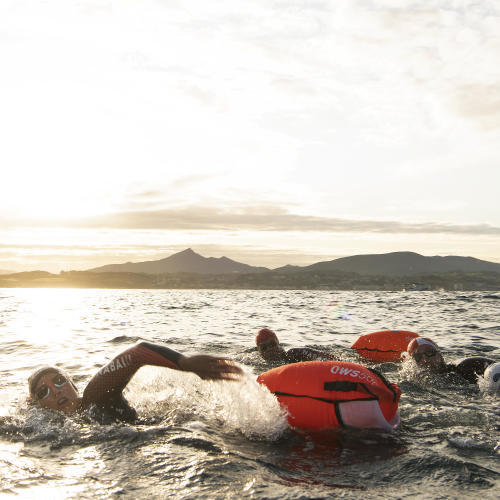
x: 271, y: 280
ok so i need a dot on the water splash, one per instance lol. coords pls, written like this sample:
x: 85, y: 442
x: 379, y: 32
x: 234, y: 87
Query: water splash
x: 245, y: 407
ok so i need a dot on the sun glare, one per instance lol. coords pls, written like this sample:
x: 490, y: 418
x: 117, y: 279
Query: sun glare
x: 48, y: 316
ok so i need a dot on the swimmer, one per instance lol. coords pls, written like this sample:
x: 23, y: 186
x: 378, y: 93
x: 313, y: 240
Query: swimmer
x: 270, y: 349
x: 427, y: 355
x: 491, y: 379
x: 51, y: 388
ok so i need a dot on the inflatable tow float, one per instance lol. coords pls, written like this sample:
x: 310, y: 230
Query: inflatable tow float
x: 386, y: 345
x: 322, y: 395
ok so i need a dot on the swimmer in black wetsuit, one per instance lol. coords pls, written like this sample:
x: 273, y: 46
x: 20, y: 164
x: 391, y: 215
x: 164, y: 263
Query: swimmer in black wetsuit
x: 427, y: 355
x: 51, y: 388
x: 270, y: 349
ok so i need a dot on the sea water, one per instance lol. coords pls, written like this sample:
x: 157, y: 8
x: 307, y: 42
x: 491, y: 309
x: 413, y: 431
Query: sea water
x: 197, y: 439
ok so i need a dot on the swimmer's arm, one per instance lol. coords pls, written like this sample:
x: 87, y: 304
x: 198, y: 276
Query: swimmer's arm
x: 211, y: 367
x: 299, y: 354
x: 114, y: 377
x: 205, y: 366
x: 471, y: 368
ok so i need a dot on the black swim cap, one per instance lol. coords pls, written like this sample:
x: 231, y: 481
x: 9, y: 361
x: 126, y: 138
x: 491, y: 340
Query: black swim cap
x: 35, y: 376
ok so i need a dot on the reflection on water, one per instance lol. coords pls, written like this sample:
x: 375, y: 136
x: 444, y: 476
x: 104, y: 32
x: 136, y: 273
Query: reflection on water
x: 320, y: 457
x: 197, y: 439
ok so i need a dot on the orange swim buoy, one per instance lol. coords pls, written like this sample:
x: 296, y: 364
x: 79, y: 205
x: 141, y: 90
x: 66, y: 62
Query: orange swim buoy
x: 334, y: 394
x: 386, y: 345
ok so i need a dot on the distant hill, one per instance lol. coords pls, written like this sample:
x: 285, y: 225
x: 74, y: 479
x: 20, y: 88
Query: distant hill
x: 4, y: 271
x: 398, y: 264
x: 30, y: 275
x: 186, y: 261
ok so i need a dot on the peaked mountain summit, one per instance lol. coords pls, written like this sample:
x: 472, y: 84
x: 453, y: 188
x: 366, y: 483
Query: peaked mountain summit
x: 186, y: 261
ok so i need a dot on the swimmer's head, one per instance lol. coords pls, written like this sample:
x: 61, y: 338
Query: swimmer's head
x: 51, y: 388
x: 269, y: 345
x: 491, y: 378
x: 426, y: 354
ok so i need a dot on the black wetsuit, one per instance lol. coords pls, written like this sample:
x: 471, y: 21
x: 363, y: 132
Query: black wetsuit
x: 298, y: 354
x: 470, y: 368
x: 103, y: 398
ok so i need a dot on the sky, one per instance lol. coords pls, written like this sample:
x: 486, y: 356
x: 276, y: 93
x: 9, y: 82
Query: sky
x: 271, y: 132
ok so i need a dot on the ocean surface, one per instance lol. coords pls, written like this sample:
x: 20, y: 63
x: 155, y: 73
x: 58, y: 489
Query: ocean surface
x: 200, y: 439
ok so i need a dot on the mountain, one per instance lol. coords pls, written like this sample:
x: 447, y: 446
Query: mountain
x: 186, y: 261
x: 398, y: 264
x: 387, y: 264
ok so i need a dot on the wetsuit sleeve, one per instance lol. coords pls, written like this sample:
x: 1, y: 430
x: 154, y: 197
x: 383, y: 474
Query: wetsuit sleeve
x: 109, y: 382
x: 471, y: 368
x: 299, y: 354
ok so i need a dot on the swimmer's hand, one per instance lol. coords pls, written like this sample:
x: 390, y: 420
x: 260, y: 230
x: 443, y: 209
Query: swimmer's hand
x: 210, y: 367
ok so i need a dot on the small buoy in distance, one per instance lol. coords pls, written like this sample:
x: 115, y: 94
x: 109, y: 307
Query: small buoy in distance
x: 491, y: 378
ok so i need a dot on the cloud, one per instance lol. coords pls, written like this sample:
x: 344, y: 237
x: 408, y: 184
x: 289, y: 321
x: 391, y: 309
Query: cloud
x: 186, y: 181
x: 347, y: 108
x: 270, y: 218
x: 480, y: 103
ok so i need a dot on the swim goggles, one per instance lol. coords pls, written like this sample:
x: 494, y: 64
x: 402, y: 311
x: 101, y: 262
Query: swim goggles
x: 269, y: 344
x: 44, y: 390
x: 419, y: 355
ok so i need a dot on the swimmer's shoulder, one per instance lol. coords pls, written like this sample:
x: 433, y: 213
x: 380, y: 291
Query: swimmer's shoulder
x: 471, y: 368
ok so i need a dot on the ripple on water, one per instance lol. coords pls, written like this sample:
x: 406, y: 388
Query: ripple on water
x: 221, y: 440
